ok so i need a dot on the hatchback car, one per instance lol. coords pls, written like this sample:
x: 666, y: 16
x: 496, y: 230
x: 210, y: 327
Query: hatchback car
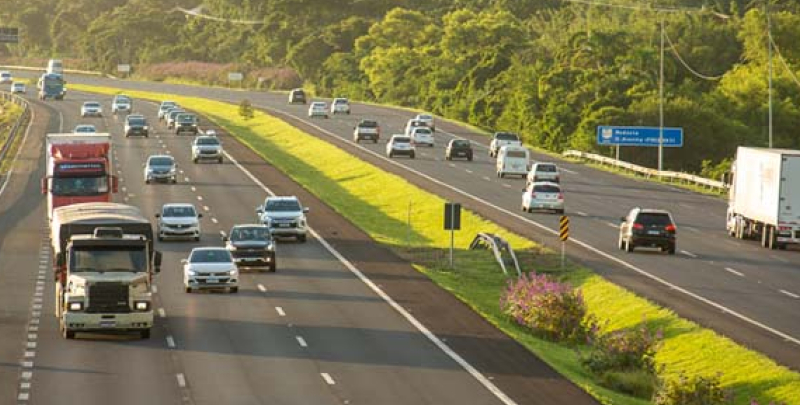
x: 367, y: 129
x: 340, y: 106
x: 210, y: 268
x: 160, y: 168
x: 647, y: 228
x: 136, y: 125
x: 458, y: 148
x: 542, y: 171
x: 180, y: 221
x: 543, y: 196
x: 18, y: 88
x: 91, y: 108
x: 422, y: 136
x: 400, y: 145
x: 428, y: 120
x: 84, y: 129
x: 206, y: 147
x: 297, y: 96
x: 318, y: 109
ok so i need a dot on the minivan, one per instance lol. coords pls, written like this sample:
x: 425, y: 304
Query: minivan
x: 512, y: 160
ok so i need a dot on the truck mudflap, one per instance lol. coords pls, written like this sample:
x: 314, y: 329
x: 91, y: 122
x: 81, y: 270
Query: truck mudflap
x: 90, y: 322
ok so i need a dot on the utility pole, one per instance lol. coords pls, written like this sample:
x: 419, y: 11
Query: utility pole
x: 661, y: 104
x: 769, y: 52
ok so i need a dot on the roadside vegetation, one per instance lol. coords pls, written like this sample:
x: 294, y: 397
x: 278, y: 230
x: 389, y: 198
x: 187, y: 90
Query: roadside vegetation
x: 620, y: 348
x: 9, y: 114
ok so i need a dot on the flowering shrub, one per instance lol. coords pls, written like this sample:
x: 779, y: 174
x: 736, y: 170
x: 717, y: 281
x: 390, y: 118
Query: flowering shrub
x: 627, y: 349
x: 552, y: 309
x: 692, y: 391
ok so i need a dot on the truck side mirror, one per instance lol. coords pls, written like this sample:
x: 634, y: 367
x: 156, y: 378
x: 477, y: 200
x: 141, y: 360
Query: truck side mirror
x: 157, y: 262
x: 114, y: 183
x: 158, y: 215
x: 259, y: 209
x: 44, y: 185
x: 305, y: 209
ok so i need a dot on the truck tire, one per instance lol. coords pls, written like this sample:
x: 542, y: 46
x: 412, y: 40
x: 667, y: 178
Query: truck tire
x: 234, y: 290
x: 301, y: 238
x: 764, y: 235
x: 671, y: 249
x: 144, y: 334
x: 188, y: 290
x: 273, y: 266
x: 66, y: 333
x: 772, y: 242
x: 629, y: 246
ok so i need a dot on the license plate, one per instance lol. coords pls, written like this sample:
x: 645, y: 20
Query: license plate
x: 653, y: 232
x: 212, y: 281
x: 107, y: 324
x: 283, y: 225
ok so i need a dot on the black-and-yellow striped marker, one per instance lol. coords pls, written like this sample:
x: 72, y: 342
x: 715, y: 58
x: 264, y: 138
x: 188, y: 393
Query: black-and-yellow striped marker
x: 563, y: 232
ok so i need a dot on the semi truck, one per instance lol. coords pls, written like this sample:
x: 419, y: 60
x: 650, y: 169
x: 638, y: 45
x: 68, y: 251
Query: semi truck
x: 103, y: 265
x: 52, y: 85
x: 78, y: 170
x: 764, y: 196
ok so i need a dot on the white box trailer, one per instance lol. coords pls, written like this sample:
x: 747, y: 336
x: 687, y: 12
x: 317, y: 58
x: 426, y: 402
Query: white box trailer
x: 764, y: 198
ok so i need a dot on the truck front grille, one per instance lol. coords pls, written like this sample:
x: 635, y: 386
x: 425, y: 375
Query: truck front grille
x: 249, y: 253
x: 108, y: 298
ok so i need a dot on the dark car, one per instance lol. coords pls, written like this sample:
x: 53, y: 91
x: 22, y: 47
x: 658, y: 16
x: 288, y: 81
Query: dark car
x: 136, y: 125
x: 251, y: 246
x: 297, y: 96
x: 185, y: 122
x: 458, y: 148
x: 647, y: 228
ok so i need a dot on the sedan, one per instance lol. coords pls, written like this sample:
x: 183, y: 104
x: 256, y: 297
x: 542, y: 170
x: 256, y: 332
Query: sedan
x: 318, y: 109
x: 160, y: 168
x: 18, y: 88
x: 91, y: 108
x: 543, y: 196
x: 210, y: 268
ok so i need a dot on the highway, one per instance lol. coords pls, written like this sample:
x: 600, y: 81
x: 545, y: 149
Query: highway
x: 735, y: 287
x: 312, y: 333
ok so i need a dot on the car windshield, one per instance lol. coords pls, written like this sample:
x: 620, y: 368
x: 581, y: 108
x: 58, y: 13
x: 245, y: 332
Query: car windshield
x: 461, y: 144
x: 546, y: 168
x: 424, y: 117
x: 423, y: 131
x: 402, y: 139
x: 282, y: 205
x: 186, y: 118
x: 93, y: 105
x: 298, y: 92
x: 210, y: 256
x: 318, y: 105
x: 174, y: 113
x: 653, y: 218
x: 254, y: 233
x: 168, y: 104
x: 85, y: 128
x: 112, y: 259
x: 506, y: 136
x: 546, y: 188
x: 160, y: 161
x: 179, y: 211
x: 137, y: 121
x: 123, y: 99
x: 516, y: 154
x: 368, y: 124
x: 340, y: 101
x: 207, y: 141
x: 79, y: 186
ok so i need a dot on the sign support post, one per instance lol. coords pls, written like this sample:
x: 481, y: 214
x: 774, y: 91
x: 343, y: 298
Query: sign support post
x: 563, y: 234
x: 452, y: 222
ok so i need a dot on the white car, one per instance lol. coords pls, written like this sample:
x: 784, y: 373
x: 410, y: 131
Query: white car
x: 210, y: 268
x: 318, y: 109
x: 121, y: 104
x: 180, y: 221
x: 164, y: 107
x: 400, y: 145
x: 414, y: 123
x: 91, y: 108
x: 84, y: 129
x: 501, y: 139
x: 543, y: 171
x: 284, y: 216
x: 543, y: 195
x: 206, y: 147
x: 18, y: 88
x: 422, y: 136
x: 428, y: 120
x: 6, y: 78
x: 340, y: 106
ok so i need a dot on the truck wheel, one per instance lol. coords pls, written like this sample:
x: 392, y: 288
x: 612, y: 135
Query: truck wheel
x: 273, y: 267
x: 764, y: 236
x: 195, y: 160
x: 772, y: 242
x: 628, y: 246
x: 234, y: 290
x: 66, y: 333
x: 301, y: 238
x: 219, y: 160
x: 188, y: 290
x: 197, y: 239
x: 144, y: 333
x: 374, y: 140
x: 671, y: 249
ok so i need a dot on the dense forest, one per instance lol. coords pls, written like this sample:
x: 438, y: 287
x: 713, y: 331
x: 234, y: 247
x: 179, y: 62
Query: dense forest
x: 553, y: 70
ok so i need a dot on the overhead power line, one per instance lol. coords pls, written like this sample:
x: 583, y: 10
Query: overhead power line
x: 701, y: 10
x: 198, y: 12
x: 686, y: 65
x: 783, y: 61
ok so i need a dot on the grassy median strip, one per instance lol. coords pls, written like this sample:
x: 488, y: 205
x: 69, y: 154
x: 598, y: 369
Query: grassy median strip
x: 378, y: 202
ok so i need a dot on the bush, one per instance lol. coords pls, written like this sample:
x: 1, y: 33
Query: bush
x: 627, y: 349
x: 246, y: 109
x: 554, y: 310
x: 692, y: 391
x: 638, y: 383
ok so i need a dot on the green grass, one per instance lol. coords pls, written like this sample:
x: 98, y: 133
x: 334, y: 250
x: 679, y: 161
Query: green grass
x: 378, y: 202
x: 10, y: 113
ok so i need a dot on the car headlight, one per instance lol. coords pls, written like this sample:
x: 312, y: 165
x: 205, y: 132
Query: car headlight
x: 191, y: 272
x: 76, y: 306
x: 141, y: 305
x: 271, y: 247
x: 145, y: 127
x: 232, y: 248
x: 233, y: 272
x: 172, y: 171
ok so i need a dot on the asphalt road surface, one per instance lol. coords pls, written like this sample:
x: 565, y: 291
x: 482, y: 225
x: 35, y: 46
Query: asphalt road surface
x: 312, y: 333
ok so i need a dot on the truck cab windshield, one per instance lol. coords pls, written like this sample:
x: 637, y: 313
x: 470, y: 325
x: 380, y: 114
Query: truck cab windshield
x: 100, y: 259
x: 79, y: 186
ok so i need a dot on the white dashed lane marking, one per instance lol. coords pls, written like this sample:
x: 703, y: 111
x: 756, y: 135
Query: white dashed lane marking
x: 262, y: 288
x: 205, y: 208
x: 214, y: 220
x: 690, y: 254
x: 280, y: 312
x: 170, y: 342
x: 732, y: 271
x: 790, y: 294
x: 301, y: 341
x: 328, y: 379
x: 181, y: 380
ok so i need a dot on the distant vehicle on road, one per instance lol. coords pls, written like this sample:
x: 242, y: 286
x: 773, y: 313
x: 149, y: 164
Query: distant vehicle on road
x: 414, y: 123
x: 318, y: 109
x: 121, y: 104
x: 210, y: 268
x: 500, y: 139
x: 164, y: 107
x: 171, y: 116
x: 55, y: 66
x: 160, y: 168
x: 400, y: 145
x: 251, y: 246
x: 647, y: 228
x: 136, y: 124
x: 544, y: 171
x: 206, y: 147
x: 422, y: 136
x: 367, y: 129
x: 180, y: 221
x: 512, y: 160
x: 84, y: 129
x: 297, y: 96
x: 18, y: 88
x: 53, y: 86
x: 340, y: 106
x: 91, y: 109
x: 543, y: 195
x: 284, y: 216
x: 6, y: 78
x: 428, y: 120
x: 458, y: 148
x: 186, y: 123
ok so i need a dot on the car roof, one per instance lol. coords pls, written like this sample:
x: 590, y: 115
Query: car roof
x: 91, y: 102
x: 135, y: 116
x: 160, y: 156
x: 652, y: 211
x: 545, y: 183
x: 208, y: 248
x: 249, y: 226
x: 182, y: 205
x: 282, y: 197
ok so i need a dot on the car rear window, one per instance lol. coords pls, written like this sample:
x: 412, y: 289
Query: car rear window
x: 461, y: 144
x: 546, y: 188
x: 653, y: 218
x: 546, y: 168
x: 402, y: 140
x: 368, y: 124
x: 516, y: 154
x: 506, y: 136
x: 136, y: 121
x: 422, y: 130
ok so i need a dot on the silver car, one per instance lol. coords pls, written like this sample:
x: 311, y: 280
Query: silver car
x: 91, y: 108
x: 284, y: 216
x: 543, y: 195
x: 181, y: 221
x: 210, y: 268
x: 160, y: 168
x: 206, y: 147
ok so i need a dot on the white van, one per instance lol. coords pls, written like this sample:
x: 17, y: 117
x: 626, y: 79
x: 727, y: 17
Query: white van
x: 512, y: 160
x: 55, y: 66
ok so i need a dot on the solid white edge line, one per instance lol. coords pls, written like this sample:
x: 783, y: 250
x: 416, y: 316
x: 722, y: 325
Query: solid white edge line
x: 328, y: 379
x: 280, y: 312
x: 170, y: 342
x: 411, y: 319
x: 301, y: 341
x: 19, y: 150
x: 730, y: 270
x: 544, y: 228
x: 789, y: 293
x: 262, y: 288
x: 690, y: 254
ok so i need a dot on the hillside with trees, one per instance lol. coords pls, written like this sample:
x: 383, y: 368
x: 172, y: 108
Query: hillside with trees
x: 551, y: 70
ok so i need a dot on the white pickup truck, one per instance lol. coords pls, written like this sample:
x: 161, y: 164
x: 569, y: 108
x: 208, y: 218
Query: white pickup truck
x: 501, y: 139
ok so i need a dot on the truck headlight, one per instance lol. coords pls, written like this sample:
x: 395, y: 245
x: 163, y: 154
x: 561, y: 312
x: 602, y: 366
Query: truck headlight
x: 271, y: 247
x: 191, y: 272
x: 141, y: 305
x: 76, y: 306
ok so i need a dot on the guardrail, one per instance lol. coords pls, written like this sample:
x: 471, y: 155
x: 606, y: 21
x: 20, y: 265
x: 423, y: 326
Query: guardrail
x: 17, y: 125
x: 498, y: 245
x: 41, y: 69
x: 671, y: 176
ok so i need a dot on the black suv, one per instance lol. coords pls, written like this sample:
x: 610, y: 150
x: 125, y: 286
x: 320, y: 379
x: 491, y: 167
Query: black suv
x: 136, y: 125
x: 251, y: 246
x: 186, y: 123
x: 649, y: 228
x: 297, y: 96
x: 458, y: 148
